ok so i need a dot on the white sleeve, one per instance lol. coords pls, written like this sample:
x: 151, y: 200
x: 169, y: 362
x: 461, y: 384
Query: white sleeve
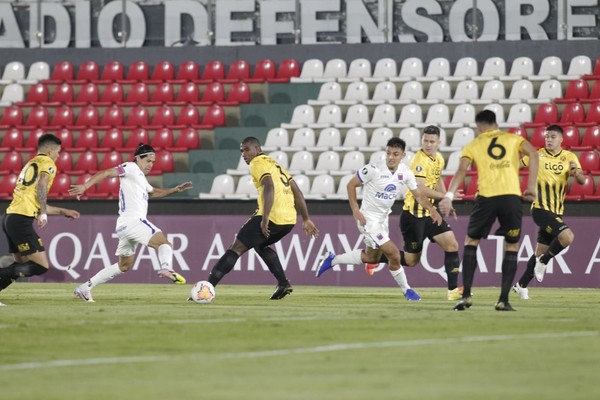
x: 410, y: 180
x: 366, y: 173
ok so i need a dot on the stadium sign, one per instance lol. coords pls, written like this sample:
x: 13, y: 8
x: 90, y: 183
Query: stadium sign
x: 89, y: 23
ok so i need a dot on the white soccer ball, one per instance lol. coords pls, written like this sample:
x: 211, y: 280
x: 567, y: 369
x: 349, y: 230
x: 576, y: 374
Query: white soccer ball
x: 203, y: 292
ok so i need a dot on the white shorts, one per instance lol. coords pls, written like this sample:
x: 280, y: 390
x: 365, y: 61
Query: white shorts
x: 131, y: 232
x: 376, y: 233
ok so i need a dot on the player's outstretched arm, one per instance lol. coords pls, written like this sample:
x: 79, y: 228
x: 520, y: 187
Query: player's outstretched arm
x: 534, y: 161
x: 68, y: 213
x: 308, y: 225
x: 79, y: 190
x: 158, y: 193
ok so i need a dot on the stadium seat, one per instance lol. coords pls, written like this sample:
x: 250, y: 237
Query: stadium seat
x: 438, y: 114
x: 379, y: 139
x: 493, y: 90
x: 162, y: 139
x: 136, y: 136
x: 385, y: 69
x: 138, y: 117
x: 518, y: 114
x: 538, y: 137
x: 63, y: 71
x: 244, y: 190
x: 327, y: 161
x: 460, y: 138
x: 521, y: 68
x: 329, y: 92
x: 11, y: 163
x: 382, y: 115
x: 546, y: 114
x: 590, y: 140
x: 573, y: 113
x: 592, y: 117
x: 466, y: 91
x: 14, y: 71
x: 213, y: 116
x: 60, y: 186
x: 302, y: 115
x: 496, y: 109
x: 438, y: 68
x: 113, y: 116
x: 188, y: 139
x: 13, y: 93
x: 88, y: 94
x: 86, y: 140
x: 264, y: 70
x: 595, y: 75
x: 213, y: 71
x: 189, y: 93
x: 88, y: 116
x: 139, y: 93
x: 377, y: 157
x: 352, y: 161
x: 214, y: 92
x: 222, y: 185
x: 301, y: 139
x: 110, y: 159
x: 549, y: 90
x: 570, y: 137
x: 88, y: 71
x: 189, y: 116
x: 385, y: 92
x: 493, y: 69
x: 7, y: 185
x: 87, y: 162
x: 594, y: 94
x: 520, y: 131
x: 62, y: 117
x: 38, y: 117
x: 328, y: 138
x: 576, y: 91
x: 163, y: 71
x: 466, y: 68
x: 12, y: 139
x: 189, y: 71
x: 239, y: 70
x: 275, y: 139
x: 359, y: 69
x: 288, y: 69
x: 411, y: 136
x: 311, y: 69
x: 321, y: 186
x: 238, y: 93
x: 62, y: 94
x: 112, y: 139
x: 163, y: 116
x: 301, y: 161
x: 550, y: 68
x: 342, y: 189
x: 521, y: 92
x: 356, y: 92
x: 107, y: 189
x: 578, y: 191
x: 280, y: 158
x: 241, y: 168
x: 590, y: 161
x: 464, y: 114
x: 411, y: 114
x: 411, y: 69
x: 335, y: 69
x: 163, y: 93
x: 439, y: 91
x: 578, y: 67
x: 330, y: 115
x: 410, y: 93
x: 37, y: 94
x: 112, y: 94
x: 356, y: 115
x: 81, y: 179
x: 113, y: 72
x: 355, y: 138
x: 138, y: 71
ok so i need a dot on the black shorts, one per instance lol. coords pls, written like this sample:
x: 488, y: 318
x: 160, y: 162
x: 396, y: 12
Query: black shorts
x: 508, y: 209
x: 252, y: 237
x: 551, y: 225
x: 415, y: 230
x: 20, y: 234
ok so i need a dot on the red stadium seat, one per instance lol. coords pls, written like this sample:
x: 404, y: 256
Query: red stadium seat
x: 189, y: 116
x: 7, y: 185
x: 591, y: 139
x: 471, y: 188
x: 573, y: 113
x: 88, y: 94
x: 577, y: 191
x: 113, y: 72
x: 264, y: 70
x: 570, y: 137
x: 288, y: 68
x: 63, y: 117
x: 137, y: 136
x: 163, y: 93
x: 112, y: 140
x: 62, y: 72
x: 12, y: 139
x: 164, y: 163
x: 545, y: 115
x: 214, y: 116
x: 520, y: 131
x: 189, y: 93
x: 238, y: 71
x: 38, y: 117
x: 36, y: 95
x: 576, y: 91
x: 60, y: 186
x: 592, y: 117
x: 590, y: 161
x: 213, y: 93
x: 88, y: 71
x: 163, y: 116
x: 213, y: 71
x: 595, y: 75
x: 189, y: 71
x: 137, y: 117
x: 110, y: 160
x: 64, y: 163
x: 163, y: 71
x: 87, y: 162
x: 448, y: 179
x: 63, y: 94
x: 81, y: 179
x: 112, y: 94
x: 108, y: 188
x: 11, y: 163
x: 139, y: 71
x: 139, y: 93
x: 31, y: 144
x: 113, y: 116
x: 188, y: 139
x: 66, y: 137
x: 238, y: 93
x: 12, y: 117
x: 538, y: 137
x: 594, y: 93
x: 162, y: 139
x: 88, y: 117
x: 86, y: 140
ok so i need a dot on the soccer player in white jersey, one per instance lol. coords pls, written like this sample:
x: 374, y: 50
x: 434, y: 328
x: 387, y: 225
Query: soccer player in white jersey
x: 132, y: 226
x: 381, y: 184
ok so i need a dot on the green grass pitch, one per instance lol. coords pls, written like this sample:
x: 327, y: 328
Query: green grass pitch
x: 146, y: 342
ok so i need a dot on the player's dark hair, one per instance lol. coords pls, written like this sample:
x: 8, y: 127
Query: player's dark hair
x: 48, y: 138
x: 487, y: 117
x: 143, y: 150
x: 432, y: 130
x: 251, y: 140
x: 396, y: 142
x: 555, y: 128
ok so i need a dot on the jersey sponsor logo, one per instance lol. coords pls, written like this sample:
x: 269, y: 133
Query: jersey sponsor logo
x: 500, y: 165
x: 390, y: 188
x: 23, y: 247
x: 385, y: 196
x: 554, y: 168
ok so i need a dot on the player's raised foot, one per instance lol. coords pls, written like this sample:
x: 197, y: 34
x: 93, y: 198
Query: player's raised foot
x: 84, y: 293
x: 2, y: 304
x: 326, y: 264
x: 504, y: 306
x: 281, y: 291
x: 172, y: 275
x: 411, y: 295
x: 522, y: 291
x: 539, y: 270
x: 455, y: 294
x: 463, y: 304
x: 370, y: 269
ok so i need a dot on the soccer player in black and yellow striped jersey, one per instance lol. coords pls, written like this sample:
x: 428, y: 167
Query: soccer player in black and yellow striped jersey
x: 415, y: 221
x: 278, y: 199
x: 556, y: 167
x: 496, y: 155
x: 29, y: 204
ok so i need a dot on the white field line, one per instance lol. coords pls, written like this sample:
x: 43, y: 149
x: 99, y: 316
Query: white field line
x: 293, y: 351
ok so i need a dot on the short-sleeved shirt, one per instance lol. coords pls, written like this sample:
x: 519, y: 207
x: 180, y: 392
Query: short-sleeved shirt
x: 552, y: 179
x: 133, y: 191
x: 430, y: 169
x: 283, y: 211
x: 381, y: 187
x: 496, y: 155
x: 25, y: 200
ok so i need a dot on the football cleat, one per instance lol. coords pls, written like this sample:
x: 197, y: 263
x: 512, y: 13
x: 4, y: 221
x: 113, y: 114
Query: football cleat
x: 455, y: 294
x: 504, y: 306
x: 281, y: 291
x: 463, y: 304
x: 172, y: 275
x: 326, y: 264
x: 2, y: 305
x: 84, y: 293
x: 411, y: 295
x: 522, y: 291
x: 370, y: 269
x: 539, y: 270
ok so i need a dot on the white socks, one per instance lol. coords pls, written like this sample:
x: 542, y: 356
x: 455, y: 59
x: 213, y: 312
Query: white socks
x: 400, y: 278
x: 165, y: 257
x: 104, y: 275
x: 353, y: 257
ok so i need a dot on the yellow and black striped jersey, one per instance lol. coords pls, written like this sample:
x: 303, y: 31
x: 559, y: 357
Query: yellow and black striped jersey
x: 552, y: 179
x: 496, y: 155
x: 428, y: 168
x: 25, y: 200
x: 284, y: 210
